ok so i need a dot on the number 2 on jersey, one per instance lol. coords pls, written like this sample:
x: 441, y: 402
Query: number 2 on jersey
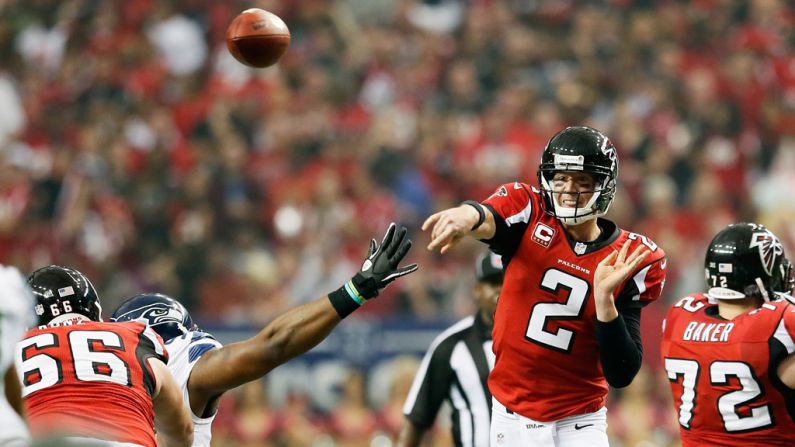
x: 552, y: 282
x: 719, y: 374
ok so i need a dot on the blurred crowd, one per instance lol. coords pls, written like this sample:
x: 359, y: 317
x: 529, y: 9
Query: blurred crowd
x: 135, y: 148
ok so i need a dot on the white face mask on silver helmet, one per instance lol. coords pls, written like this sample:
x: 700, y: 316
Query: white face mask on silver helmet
x: 579, y: 149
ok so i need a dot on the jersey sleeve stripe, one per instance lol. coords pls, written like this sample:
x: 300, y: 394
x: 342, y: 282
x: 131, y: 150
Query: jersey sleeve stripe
x: 155, y: 342
x: 640, y: 282
x: 522, y: 216
x: 784, y: 337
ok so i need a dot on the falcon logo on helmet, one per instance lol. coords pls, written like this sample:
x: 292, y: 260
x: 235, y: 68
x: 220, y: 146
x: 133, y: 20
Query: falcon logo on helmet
x: 747, y: 260
x: 769, y: 249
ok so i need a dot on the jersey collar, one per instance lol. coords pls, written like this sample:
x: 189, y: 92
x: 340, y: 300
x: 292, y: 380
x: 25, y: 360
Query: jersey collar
x: 610, y: 233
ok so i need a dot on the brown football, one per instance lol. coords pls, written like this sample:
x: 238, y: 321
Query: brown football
x: 257, y: 38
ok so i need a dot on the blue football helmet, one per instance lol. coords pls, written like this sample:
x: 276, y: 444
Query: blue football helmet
x: 165, y: 315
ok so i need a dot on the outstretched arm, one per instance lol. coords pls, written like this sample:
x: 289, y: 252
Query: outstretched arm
x: 299, y: 329
x: 450, y: 225
x: 289, y: 335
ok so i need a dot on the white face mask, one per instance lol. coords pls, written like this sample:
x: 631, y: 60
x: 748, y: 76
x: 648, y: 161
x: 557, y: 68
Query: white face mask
x: 576, y: 215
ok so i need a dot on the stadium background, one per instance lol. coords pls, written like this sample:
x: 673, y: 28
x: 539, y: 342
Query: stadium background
x: 134, y: 148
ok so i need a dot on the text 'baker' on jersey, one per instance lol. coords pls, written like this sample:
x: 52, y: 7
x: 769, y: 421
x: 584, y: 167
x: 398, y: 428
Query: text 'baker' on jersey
x: 184, y: 351
x: 90, y: 379
x: 548, y: 363
x: 723, y: 373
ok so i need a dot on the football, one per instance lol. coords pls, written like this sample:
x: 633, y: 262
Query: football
x: 257, y: 38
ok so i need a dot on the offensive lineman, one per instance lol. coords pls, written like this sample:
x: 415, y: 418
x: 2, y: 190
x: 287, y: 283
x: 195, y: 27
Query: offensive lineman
x: 568, y: 319
x: 729, y: 352
x: 94, y: 381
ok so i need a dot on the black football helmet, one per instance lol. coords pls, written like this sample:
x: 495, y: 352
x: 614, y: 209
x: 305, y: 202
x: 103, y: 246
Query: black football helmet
x: 579, y: 149
x: 747, y: 260
x: 165, y: 315
x: 61, y: 291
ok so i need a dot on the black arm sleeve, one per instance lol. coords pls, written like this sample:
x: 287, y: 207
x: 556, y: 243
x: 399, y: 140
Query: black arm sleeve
x: 620, y: 347
x: 506, y: 238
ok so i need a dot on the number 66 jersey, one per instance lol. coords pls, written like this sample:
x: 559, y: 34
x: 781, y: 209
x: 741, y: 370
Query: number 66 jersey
x: 723, y: 373
x: 90, y: 379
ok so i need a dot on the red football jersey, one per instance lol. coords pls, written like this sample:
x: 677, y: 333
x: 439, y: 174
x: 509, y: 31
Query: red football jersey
x: 547, y: 360
x: 723, y: 373
x: 90, y: 379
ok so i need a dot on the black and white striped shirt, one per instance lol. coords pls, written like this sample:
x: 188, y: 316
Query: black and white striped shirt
x: 456, y: 368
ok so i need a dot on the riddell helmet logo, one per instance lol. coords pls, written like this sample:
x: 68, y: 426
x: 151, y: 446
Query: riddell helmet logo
x: 769, y: 249
x: 542, y: 235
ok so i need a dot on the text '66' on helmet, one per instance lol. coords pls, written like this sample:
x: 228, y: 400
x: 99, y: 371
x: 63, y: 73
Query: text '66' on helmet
x: 747, y: 260
x: 579, y: 149
x: 61, y: 292
x: 165, y: 315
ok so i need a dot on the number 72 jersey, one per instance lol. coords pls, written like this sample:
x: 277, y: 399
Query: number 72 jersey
x: 723, y: 373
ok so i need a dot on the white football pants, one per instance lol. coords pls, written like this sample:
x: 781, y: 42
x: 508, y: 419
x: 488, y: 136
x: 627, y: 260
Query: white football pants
x: 509, y: 429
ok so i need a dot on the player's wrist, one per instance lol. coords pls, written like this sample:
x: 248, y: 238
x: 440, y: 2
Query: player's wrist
x: 605, y: 308
x: 481, y: 214
x: 353, y: 294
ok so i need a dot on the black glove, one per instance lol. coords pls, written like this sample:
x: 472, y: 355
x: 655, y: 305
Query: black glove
x: 378, y: 270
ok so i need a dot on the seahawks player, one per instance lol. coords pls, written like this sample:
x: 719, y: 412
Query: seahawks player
x: 205, y: 369
x: 16, y: 315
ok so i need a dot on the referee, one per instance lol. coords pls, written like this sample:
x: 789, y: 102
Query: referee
x: 456, y: 368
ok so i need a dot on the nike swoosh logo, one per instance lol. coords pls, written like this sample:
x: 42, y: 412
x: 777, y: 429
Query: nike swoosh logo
x: 580, y: 427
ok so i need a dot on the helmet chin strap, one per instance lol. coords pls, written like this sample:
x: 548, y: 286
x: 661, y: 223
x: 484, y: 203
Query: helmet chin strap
x: 762, y: 289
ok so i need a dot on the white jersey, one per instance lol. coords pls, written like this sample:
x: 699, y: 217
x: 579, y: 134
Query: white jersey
x: 16, y: 316
x: 183, y: 353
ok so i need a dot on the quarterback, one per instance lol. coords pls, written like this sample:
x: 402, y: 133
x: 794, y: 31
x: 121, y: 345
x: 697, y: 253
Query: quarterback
x: 567, y: 322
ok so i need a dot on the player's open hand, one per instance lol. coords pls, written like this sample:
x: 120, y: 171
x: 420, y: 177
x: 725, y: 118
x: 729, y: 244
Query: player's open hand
x: 382, y: 265
x: 448, y: 226
x: 615, y: 268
